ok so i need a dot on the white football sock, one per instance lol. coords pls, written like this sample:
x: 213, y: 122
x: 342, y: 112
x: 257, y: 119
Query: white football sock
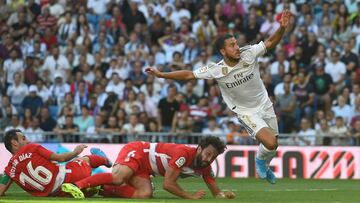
x: 265, y: 154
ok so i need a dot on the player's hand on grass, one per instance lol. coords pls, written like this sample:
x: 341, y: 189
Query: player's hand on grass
x: 153, y: 71
x: 80, y: 148
x: 230, y: 195
x: 199, y: 194
x: 226, y: 195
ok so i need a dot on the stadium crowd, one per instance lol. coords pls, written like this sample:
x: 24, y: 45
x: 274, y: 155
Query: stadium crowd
x: 78, y: 67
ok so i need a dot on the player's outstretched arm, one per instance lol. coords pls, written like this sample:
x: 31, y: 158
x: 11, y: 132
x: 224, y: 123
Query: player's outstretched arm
x: 67, y: 156
x: 275, y: 38
x: 171, y: 186
x: 175, y: 75
x: 5, y: 183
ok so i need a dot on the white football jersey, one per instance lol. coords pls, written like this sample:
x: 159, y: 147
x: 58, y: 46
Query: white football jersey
x: 241, y: 86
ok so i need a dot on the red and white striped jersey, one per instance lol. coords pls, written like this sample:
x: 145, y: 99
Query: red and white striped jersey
x: 162, y: 156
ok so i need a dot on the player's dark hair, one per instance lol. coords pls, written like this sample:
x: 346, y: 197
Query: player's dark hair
x: 10, y: 135
x: 220, y: 43
x: 213, y: 141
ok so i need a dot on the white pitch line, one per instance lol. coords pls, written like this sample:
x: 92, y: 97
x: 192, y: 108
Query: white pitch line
x: 302, y: 190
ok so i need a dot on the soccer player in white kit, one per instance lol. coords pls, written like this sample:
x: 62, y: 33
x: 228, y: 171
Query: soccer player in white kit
x: 243, y: 91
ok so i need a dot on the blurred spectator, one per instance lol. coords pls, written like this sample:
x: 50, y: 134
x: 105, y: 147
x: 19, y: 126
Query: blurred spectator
x: 17, y: 91
x: 13, y: 65
x: 32, y: 101
x: 85, y: 120
x: 133, y: 128
x: 15, y: 124
x: 323, y: 88
x: 47, y: 123
x: 167, y: 109
x: 67, y: 131
x: 304, y: 93
x: 286, y: 109
x: 306, y: 135
x: 34, y: 133
x: 340, y: 134
x: 59, y: 89
x: 213, y: 129
x: 337, y: 70
x: 355, y: 132
x: 343, y: 110
x: 323, y: 134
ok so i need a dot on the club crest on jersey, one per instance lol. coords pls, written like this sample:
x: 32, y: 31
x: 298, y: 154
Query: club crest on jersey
x: 225, y: 70
x: 180, y: 162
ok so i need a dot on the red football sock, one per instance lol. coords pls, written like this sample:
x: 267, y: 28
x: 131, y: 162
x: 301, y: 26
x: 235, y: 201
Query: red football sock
x: 124, y: 191
x: 95, y: 180
x: 96, y: 161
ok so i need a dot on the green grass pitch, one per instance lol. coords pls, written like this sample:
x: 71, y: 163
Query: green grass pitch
x: 247, y: 190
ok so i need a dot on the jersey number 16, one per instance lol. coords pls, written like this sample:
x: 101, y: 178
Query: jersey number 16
x: 36, y: 180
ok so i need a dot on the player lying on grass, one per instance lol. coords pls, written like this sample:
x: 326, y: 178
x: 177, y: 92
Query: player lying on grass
x: 138, y: 160
x: 32, y: 166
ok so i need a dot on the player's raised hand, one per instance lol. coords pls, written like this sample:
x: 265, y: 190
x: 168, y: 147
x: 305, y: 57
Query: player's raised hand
x: 285, y: 18
x: 199, y: 194
x: 153, y: 71
x: 80, y: 148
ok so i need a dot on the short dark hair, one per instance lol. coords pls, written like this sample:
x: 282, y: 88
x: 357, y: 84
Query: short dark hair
x: 10, y: 135
x: 213, y: 141
x: 220, y: 43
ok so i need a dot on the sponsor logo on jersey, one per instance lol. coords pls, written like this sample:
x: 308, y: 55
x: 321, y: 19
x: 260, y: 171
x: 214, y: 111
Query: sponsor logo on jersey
x: 180, y: 162
x: 239, y: 81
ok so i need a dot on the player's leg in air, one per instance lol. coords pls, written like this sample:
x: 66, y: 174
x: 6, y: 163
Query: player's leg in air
x: 81, y: 168
x: 128, y: 178
x: 263, y: 128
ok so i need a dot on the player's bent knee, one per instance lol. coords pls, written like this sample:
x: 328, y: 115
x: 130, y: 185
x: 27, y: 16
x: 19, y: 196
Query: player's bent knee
x: 273, y: 144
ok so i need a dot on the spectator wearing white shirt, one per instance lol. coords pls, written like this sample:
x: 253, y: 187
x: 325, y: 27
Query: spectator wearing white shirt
x: 17, y: 91
x: 133, y: 128
x: 214, y: 130
x: 116, y: 84
x: 171, y: 44
x: 13, y: 65
x: 66, y: 29
x: 98, y: 6
x: 56, y: 63
x: 148, y: 105
x: 55, y: 8
x: 280, y: 61
x: 336, y: 69
x: 306, y: 135
x: 342, y: 109
x: 34, y: 133
x: 59, y: 89
x: 178, y: 13
x: 15, y: 124
x: 340, y: 133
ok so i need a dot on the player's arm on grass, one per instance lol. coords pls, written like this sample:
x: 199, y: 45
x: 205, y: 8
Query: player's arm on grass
x: 67, y: 156
x: 275, y: 38
x: 170, y: 185
x: 5, y: 183
x: 209, y: 179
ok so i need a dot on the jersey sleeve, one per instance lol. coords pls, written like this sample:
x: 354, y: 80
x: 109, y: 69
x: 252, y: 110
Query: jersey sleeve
x: 42, y: 151
x: 251, y: 52
x: 208, y: 175
x: 209, y: 71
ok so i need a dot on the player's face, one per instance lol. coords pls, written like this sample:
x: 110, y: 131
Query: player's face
x: 231, y: 49
x: 22, y: 140
x: 205, y: 157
